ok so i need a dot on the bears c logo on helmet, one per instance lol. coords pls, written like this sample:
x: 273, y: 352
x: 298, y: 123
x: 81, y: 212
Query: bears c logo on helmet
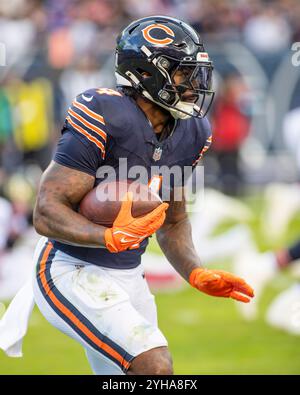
x: 158, y: 41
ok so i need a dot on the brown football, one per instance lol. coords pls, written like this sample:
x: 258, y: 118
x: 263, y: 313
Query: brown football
x: 102, y: 204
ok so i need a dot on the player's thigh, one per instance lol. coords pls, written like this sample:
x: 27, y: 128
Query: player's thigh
x: 109, y: 307
x: 86, y: 304
x: 99, y: 362
x: 133, y: 281
x: 156, y: 360
x: 144, y: 300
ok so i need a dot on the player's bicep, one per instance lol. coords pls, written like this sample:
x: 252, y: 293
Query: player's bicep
x: 77, y: 152
x: 63, y: 184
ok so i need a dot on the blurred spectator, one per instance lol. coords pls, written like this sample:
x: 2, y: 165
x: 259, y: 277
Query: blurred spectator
x: 291, y: 132
x: 21, y: 195
x: 230, y: 125
x: 85, y: 74
x: 268, y: 32
x: 6, y: 126
x: 138, y: 9
x: 27, y: 121
x: 5, y: 222
x: 17, y: 30
x: 60, y: 48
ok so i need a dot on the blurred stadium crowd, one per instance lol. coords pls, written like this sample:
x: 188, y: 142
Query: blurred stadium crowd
x: 57, y: 49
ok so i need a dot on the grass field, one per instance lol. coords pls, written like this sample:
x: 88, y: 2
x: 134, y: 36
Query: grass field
x: 206, y: 336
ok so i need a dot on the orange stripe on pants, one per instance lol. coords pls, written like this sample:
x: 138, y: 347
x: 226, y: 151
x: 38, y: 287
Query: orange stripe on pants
x: 70, y: 315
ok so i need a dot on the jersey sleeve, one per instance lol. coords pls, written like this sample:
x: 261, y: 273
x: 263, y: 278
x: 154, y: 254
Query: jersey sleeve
x: 83, y: 143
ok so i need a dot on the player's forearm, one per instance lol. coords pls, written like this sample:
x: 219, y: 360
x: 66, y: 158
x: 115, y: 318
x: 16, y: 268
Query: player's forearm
x: 60, y: 222
x: 176, y: 243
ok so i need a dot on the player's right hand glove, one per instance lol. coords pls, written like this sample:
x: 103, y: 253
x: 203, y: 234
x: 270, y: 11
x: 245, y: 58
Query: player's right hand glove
x: 128, y: 232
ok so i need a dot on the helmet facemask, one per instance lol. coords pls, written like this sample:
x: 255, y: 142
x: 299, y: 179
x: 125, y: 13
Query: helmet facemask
x: 187, y: 91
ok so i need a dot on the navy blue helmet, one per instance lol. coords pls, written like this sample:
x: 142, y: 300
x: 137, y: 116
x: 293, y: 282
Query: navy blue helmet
x: 152, y: 51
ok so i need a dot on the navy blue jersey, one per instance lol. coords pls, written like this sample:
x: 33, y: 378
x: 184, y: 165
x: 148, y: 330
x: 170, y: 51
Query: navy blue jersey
x: 105, y: 127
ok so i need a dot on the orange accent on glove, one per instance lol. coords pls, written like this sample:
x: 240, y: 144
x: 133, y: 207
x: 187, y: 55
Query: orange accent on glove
x: 221, y: 283
x: 128, y: 232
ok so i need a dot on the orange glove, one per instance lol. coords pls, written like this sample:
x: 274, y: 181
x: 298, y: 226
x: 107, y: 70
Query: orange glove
x: 221, y: 283
x: 128, y: 232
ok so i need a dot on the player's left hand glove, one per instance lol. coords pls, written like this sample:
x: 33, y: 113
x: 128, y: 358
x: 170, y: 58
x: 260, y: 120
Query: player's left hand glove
x: 221, y: 283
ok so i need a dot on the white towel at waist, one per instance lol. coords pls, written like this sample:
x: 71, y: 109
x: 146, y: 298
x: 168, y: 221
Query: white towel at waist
x: 14, y: 323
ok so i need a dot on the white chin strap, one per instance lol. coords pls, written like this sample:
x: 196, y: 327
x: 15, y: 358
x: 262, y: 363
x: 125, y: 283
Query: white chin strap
x: 184, y: 106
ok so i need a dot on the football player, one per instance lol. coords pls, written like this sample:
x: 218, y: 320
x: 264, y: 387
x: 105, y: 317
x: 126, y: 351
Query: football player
x: 89, y: 280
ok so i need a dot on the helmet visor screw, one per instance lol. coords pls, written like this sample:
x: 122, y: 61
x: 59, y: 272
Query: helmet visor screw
x: 164, y: 63
x: 164, y: 95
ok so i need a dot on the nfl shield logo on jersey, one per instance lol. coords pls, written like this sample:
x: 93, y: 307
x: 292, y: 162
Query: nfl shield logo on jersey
x: 157, y: 153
